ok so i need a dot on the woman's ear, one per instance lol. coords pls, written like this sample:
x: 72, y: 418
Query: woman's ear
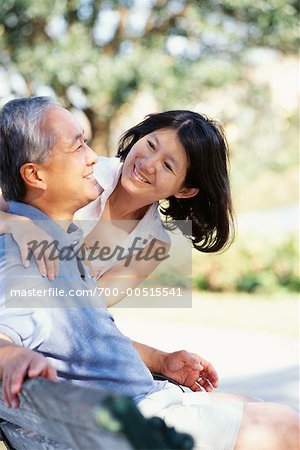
x: 187, y: 192
x: 33, y: 176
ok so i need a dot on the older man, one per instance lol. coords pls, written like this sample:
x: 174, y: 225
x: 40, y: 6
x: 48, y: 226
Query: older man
x: 46, y: 174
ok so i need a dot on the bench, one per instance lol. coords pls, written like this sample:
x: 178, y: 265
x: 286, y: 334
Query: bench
x: 63, y: 416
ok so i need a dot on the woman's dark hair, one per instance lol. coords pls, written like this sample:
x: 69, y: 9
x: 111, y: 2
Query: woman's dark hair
x: 204, y: 141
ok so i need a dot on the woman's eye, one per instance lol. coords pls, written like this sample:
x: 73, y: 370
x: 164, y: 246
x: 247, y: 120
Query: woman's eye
x: 168, y: 166
x: 151, y: 145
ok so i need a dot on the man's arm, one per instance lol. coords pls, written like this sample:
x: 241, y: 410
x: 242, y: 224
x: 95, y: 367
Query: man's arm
x: 188, y: 369
x: 17, y: 363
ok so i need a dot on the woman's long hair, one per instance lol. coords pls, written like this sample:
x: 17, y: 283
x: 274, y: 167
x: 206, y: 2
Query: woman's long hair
x: 204, y: 141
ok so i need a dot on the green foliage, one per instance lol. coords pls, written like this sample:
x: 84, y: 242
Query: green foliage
x: 111, y: 50
x: 251, y: 265
x: 201, y: 283
x: 186, y: 53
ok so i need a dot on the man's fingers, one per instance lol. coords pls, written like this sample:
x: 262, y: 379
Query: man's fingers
x: 196, y: 387
x: 17, y: 377
x: 51, y: 373
x: 206, y: 385
x: 12, y: 381
x: 37, y: 367
x: 21, y: 362
x: 5, y: 388
x: 211, y: 374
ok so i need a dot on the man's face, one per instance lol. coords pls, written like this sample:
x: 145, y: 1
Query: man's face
x: 68, y: 172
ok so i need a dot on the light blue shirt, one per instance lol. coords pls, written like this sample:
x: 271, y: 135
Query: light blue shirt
x: 76, y: 333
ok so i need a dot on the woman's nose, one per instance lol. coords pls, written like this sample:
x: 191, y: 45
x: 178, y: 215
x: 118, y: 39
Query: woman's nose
x: 148, y: 164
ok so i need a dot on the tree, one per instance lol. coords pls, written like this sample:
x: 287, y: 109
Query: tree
x: 98, y: 55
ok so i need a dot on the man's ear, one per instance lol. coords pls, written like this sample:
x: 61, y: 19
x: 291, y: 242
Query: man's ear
x: 33, y: 176
x: 187, y: 192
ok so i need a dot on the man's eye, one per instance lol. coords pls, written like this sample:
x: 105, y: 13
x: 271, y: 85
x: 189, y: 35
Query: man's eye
x: 85, y: 141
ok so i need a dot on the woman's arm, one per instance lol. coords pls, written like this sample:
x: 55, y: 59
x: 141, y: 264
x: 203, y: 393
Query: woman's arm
x: 23, y: 230
x: 4, y: 223
x: 122, y: 277
x: 3, y: 203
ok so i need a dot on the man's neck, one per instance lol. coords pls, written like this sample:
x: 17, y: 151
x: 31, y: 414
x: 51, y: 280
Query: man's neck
x: 62, y: 217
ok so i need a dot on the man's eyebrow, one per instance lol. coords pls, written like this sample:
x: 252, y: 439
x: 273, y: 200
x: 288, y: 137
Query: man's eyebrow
x: 78, y: 136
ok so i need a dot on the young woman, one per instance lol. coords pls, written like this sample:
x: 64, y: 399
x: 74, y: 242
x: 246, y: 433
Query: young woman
x: 177, y: 156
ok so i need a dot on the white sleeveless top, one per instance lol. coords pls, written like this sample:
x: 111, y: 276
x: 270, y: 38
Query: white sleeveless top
x: 107, y: 172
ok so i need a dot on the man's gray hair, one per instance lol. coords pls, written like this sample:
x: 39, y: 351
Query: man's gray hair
x: 24, y: 138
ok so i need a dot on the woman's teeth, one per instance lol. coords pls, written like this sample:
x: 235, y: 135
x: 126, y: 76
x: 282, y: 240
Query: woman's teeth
x: 139, y: 176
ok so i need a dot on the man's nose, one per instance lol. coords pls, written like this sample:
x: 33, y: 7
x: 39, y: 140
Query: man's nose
x: 91, y: 156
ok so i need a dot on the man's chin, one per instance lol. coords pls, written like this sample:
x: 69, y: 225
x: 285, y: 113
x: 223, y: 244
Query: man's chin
x: 99, y: 189
x: 93, y: 194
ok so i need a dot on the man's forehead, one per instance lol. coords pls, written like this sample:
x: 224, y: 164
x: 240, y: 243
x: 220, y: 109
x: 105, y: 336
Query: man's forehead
x: 63, y: 124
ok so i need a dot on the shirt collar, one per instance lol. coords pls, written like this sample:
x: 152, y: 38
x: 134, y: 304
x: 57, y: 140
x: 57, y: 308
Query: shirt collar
x: 65, y: 238
x: 108, y: 183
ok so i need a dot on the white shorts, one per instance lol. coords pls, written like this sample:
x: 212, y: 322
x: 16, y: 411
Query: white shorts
x: 213, y: 425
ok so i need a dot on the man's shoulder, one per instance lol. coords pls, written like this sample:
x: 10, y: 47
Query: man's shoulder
x: 10, y: 260
x: 9, y: 250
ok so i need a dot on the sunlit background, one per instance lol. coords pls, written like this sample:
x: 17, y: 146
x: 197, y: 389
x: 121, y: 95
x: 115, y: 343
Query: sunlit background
x: 113, y: 62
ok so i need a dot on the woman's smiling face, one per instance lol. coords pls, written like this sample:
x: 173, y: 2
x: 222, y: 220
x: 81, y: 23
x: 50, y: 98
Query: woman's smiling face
x: 156, y: 167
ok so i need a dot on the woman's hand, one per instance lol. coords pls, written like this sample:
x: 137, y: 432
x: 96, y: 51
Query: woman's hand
x: 190, y: 370
x: 24, y: 231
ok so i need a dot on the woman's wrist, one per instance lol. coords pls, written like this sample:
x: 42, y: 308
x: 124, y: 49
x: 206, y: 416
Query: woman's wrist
x: 8, y: 221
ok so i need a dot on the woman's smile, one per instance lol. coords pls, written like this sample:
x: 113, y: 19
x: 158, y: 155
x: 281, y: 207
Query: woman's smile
x: 137, y: 175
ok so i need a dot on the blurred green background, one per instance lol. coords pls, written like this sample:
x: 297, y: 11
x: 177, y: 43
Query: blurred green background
x: 115, y: 61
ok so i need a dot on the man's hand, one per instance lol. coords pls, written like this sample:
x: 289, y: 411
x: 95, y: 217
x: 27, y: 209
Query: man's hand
x: 190, y: 370
x: 18, y: 363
